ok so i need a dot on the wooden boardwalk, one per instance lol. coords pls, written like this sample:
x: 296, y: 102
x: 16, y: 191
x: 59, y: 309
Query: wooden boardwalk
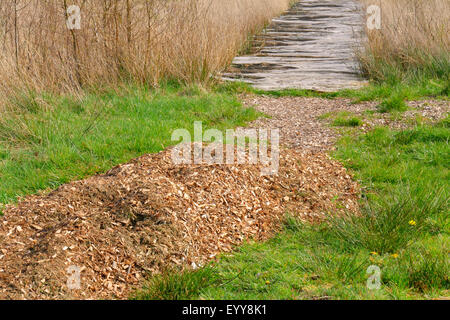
x: 312, y: 46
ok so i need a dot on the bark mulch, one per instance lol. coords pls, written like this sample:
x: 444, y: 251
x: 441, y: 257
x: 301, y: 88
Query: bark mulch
x: 298, y: 118
x: 149, y: 214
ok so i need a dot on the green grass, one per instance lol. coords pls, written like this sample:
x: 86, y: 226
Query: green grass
x: 347, y: 122
x: 48, y: 140
x: 414, y: 75
x: 436, y: 88
x: 342, y: 119
x: 403, y: 229
x: 175, y: 285
x: 395, y: 103
x: 413, y: 67
x: 233, y: 87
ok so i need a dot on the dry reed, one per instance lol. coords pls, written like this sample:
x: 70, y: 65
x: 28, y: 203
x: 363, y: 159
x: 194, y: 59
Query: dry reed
x: 413, y: 34
x: 139, y: 40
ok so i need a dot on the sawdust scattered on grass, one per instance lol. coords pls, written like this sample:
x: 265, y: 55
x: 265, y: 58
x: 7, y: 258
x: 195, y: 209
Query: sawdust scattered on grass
x: 301, y: 126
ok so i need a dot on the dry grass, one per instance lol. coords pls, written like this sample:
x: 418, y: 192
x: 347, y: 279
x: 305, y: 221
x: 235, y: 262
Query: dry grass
x: 140, y: 40
x: 414, y: 34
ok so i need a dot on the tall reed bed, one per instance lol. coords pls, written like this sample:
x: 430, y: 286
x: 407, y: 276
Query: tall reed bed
x: 414, y: 40
x: 140, y: 40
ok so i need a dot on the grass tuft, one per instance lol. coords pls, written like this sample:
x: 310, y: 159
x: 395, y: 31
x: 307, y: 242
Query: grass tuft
x: 176, y: 285
x: 385, y: 224
x: 395, y: 103
x: 350, y: 122
x: 427, y: 271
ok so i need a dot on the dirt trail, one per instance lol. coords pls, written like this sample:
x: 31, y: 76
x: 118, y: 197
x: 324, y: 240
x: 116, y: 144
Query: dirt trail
x: 301, y: 126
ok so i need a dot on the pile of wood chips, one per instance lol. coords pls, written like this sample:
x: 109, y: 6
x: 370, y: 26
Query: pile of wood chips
x: 145, y: 216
